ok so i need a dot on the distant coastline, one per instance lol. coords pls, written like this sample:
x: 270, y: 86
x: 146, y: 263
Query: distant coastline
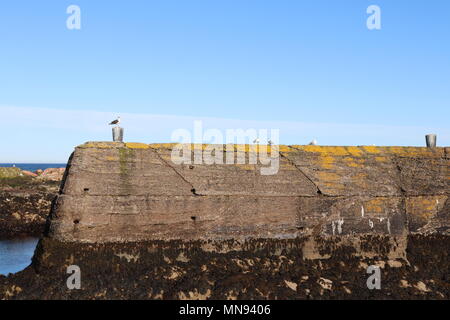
x: 34, y: 166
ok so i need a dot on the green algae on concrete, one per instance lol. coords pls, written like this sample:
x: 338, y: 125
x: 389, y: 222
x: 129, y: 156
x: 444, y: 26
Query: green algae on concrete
x: 125, y: 157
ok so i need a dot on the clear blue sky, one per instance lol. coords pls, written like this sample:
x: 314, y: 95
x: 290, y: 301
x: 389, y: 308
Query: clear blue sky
x: 288, y: 64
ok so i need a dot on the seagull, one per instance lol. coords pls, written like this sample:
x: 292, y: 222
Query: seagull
x: 313, y: 143
x: 116, y: 122
x: 270, y: 142
x: 256, y: 141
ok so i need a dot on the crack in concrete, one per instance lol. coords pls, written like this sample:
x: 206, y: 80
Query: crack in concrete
x: 398, y: 181
x: 194, y: 192
x: 303, y: 173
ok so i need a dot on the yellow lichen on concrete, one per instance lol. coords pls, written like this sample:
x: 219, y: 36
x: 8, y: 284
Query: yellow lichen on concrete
x: 163, y: 145
x: 350, y: 152
x: 247, y: 167
x: 327, y: 176
x: 376, y: 206
x: 283, y: 148
x: 354, y: 162
x: 101, y: 145
x: 415, y: 151
x: 335, y: 151
x: 425, y: 207
x: 327, y: 162
x: 136, y: 145
x: 355, y: 151
x: 372, y: 149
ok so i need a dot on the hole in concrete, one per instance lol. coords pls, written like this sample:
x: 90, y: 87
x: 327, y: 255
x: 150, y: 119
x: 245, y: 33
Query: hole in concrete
x: 86, y: 189
x: 319, y: 192
x: 76, y: 221
x: 191, y: 167
x: 193, y: 191
x: 193, y: 218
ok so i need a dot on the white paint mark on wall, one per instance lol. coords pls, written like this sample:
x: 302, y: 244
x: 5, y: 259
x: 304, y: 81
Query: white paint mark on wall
x: 362, y: 211
x: 389, y: 226
x: 371, y: 224
x: 337, y: 225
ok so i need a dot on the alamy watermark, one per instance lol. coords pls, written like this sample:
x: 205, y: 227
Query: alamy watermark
x: 74, y: 281
x: 374, y: 20
x: 254, y: 147
x: 374, y: 281
x: 73, y: 22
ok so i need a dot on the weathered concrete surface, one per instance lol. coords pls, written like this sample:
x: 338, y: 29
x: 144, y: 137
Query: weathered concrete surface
x: 117, y: 192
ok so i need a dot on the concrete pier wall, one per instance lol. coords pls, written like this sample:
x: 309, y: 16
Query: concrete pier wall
x: 119, y: 192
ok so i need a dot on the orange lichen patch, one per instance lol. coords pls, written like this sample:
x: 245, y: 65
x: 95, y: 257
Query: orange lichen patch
x: 360, y: 177
x: 336, y: 151
x: 415, y: 151
x: 354, y: 162
x: 424, y: 207
x: 355, y: 151
x: 283, y: 148
x: 226, y: 147
x: 381, y: 159
x: 372, y: 149
x: 363, y: 150
x: 255, y: 148
x: 375, y: 205
x: 163, y: 145
x: 101, y: 145
x: 136, y: 145
x: 354, y: 165
x: 329, y: 182
x: 331, y: 187
x: 247, y: 167
x: 327, y: 162
x: 110, y: 158
x: 325, y: 176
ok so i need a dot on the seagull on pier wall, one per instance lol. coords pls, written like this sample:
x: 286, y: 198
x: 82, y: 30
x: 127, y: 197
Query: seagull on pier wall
x: 313, y: 143
x: 115, y: 122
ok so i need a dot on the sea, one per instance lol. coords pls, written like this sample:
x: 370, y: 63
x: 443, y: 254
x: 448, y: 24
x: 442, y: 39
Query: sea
x: 34, y: 166
x: 16, y: 254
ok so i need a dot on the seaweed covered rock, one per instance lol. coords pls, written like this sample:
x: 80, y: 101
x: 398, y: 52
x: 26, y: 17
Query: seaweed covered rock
x: 25, y: 203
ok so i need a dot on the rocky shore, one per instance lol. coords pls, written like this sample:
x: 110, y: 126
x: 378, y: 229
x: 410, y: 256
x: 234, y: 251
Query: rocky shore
x: 253, y: 269
x: 25, y: 200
